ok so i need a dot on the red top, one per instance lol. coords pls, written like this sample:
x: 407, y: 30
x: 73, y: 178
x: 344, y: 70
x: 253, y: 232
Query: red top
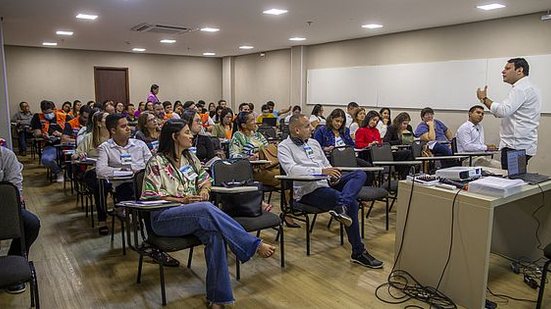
x: 366, y: 135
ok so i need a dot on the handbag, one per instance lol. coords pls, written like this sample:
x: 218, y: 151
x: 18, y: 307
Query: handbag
x: 243, y: 204
x: 266, y: 173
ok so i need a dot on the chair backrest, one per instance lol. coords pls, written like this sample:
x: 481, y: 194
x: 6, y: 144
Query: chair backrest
x: 138, y: 183
x: 454, y: 145
x: 268, y: 132
x: 216, y: 142
x: 10, y: 212
x: 381, y: 152
x: 417, y: 149
x: 343, y: 157
x: 231, y: 170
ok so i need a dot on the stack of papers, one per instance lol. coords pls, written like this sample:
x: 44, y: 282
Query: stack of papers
x: 496, y: 186
x: 122, y: 173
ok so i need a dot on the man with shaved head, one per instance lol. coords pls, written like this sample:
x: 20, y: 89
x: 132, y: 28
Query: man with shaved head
x: 300, y: 155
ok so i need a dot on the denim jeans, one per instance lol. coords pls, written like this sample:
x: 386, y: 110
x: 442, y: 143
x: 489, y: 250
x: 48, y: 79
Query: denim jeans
x: 215, y: 229
x: 444, y: 150
x: 31, y: 227
x: 49, y: 157
x: 22, y: 140
x: 345, y: 192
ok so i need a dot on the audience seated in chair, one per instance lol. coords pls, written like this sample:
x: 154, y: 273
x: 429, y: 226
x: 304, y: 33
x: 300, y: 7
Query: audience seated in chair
x: 120, y: 153
x: 300, y: 155
x: 202, y: 145
x: 334, y: 133
x: 10, y: 171
x: 470, y: 138
x: 73, y: 126
x: 224, y: 129
x: 49, y: 124
x: 148, y: 130
x: 436, y: 134
x: 175, y: 174
x: 22, y: 120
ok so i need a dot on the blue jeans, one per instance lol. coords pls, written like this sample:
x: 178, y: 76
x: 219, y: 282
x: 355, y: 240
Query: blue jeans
x: 22, y: 140
x: 215, y: 229
x: 345, y: 192
x: 49, y: 157
x: 31, y: 227
x: 444, y: 150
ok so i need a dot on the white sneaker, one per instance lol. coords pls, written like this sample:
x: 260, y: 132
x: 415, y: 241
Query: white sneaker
x: 60, y: 178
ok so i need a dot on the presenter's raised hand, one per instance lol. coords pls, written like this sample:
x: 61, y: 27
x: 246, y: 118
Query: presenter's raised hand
x: 482, y: 93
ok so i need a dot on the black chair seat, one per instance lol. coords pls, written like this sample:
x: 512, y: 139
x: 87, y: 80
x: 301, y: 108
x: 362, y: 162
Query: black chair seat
x: 393, y: 185
x: 372, y: 193
x: 307, y: 208
x: 266, y: 188
x: 13, y: 270
x: 266, y: 220
x: 171, y: 244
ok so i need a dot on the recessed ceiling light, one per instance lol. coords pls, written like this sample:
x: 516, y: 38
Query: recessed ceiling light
x: 137, y: 49
x: 87, y: 16
x: 210, y: 29
x: 209, y: 54
x: 275, y: 12
x: 246, y: 47
x: 168, y: 41
x: 49, y: 43
x: 372, y: 26
x: 297, y: 39
x: 61, y: 32
x: 492, y: 6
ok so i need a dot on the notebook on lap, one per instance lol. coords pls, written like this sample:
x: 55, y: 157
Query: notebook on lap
x: 516, y: 162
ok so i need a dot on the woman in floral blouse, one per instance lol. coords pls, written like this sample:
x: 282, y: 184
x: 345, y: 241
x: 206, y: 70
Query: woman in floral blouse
x: 175, y: 174
x: 247, y: 142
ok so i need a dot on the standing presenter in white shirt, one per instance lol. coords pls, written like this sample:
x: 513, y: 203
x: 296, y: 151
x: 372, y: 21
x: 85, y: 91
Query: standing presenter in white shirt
x: 520, y: 111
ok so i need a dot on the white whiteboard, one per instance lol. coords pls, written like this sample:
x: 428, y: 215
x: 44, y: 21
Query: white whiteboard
x: 445, y: 85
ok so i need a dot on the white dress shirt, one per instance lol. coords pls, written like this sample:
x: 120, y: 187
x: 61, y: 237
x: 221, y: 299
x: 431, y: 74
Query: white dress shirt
x: 521, y: 117
x: 313, y: 118
x: 295, y: 162
x: 110, y: 157
x: 349, y: 120
x: 470, y: 138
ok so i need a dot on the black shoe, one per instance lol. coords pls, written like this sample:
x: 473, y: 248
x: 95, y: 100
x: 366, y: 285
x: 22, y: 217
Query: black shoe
x: 17, y: 289
x: 365, y: 259
x: 339, y: 214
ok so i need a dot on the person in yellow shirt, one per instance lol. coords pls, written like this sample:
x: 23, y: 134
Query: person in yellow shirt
x: 266, y: 113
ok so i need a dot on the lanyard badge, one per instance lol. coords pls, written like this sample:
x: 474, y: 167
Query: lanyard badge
x: 309, y: 151
x: 188, y: 172
x: 126, y: 159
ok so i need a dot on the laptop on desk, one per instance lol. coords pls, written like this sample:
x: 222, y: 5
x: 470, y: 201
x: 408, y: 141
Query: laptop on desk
x: 516, y: 162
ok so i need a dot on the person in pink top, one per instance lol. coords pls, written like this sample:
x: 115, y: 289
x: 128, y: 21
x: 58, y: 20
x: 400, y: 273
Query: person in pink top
x: 152, y: 97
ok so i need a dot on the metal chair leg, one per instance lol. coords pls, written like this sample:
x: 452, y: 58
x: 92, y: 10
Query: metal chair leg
x: 190, y: 257
x: 140, y: 264
x: 162, y: 277
x: 542, y: 284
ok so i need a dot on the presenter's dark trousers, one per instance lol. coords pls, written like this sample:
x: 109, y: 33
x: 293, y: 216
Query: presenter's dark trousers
x: 504, y: 157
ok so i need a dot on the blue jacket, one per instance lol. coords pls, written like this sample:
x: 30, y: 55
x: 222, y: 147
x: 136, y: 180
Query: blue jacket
x: 324, y: 135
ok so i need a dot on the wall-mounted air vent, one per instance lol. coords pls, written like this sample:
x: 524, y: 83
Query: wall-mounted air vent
x: 165, y: 29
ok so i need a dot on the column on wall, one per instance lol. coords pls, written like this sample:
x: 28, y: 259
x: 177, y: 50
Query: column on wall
x: 297, y: 80
x: 5, y: 130
x: 228, y: 82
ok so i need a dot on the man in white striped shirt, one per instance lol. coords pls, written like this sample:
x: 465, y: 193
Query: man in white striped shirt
x: 520, y: 111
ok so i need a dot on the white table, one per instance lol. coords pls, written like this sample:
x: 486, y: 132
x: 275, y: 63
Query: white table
x: 477, y: 154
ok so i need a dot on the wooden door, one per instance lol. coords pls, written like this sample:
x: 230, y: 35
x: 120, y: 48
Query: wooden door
x: 111, y: 84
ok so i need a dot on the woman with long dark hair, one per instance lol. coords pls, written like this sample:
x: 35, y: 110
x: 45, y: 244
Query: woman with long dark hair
x: 224, y: 129
x: 384, y: 120
x: 334, y: 133
x: 368, y: 134
x: 202, y: 145
x: 175, y: 174
x: 317, y: 119
x: 400, y: 132
x: 148, y: 129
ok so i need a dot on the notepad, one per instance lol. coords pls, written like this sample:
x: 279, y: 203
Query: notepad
x: 122, y: 173
x: 496, y: 186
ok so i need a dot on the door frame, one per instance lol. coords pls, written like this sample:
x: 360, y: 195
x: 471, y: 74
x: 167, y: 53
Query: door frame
x: 97, y: 68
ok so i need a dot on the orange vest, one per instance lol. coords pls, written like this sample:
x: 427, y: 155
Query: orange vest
x: 75, y: 125
x: 168, y: 116
x: 59, y: 119
x: 204, y: 119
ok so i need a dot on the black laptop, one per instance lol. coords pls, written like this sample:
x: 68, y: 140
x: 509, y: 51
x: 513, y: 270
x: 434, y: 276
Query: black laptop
x: 269, y: 122
x: 516, y: 163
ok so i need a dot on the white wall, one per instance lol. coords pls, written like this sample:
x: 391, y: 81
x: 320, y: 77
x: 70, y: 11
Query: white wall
x: 59, y: 75
x: 261, y: 79
x: 509, y: 37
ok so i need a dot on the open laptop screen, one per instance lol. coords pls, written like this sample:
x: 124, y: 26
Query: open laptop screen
x: 516, y: 162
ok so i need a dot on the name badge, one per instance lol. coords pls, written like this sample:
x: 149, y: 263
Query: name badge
x: 154, y: 144
x: 188, y: 172
x: 126, y: 159
x: 309, y: 151
x: 339, y: 142
x: 193, y: 150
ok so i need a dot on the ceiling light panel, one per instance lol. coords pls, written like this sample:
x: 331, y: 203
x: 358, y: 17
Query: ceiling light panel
x: 87, y: 16
x: 63, y: 32
x: 275, y: 12
x: 246, y: 47
x: 209, y: 54
x: 297, y: 39
x: 210, y: 29
x: 168, y: 41
x: 49, y: 43
x: 372, y: 26
x: 138, y: 49
x: 489, y: 7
